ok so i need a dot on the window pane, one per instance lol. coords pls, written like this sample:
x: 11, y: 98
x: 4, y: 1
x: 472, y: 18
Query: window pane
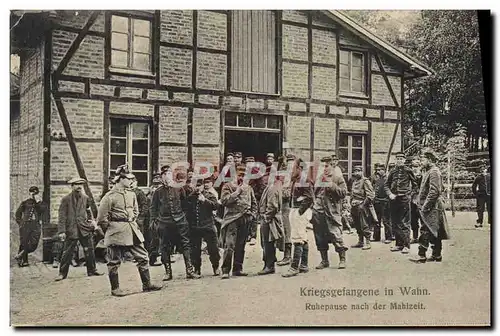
x: 244, y: 120
x: 357, y: 141
x: 273, y: 122
x: 343, y: 165
x: 357, y: 86
x: 119, y: 41
x: 118, y: 129
x: 343, y: 154
x: 119, y: 58
x: 141, y: 27
x: 139, y: 163
x: 118, y: 145
x: 357, y: 59
x: 142, y: 61
x: 230, y: 119
x: 343, y: 140
x: 140, y: 130
x: 117, y: 160
x: 344, y: 71
x: 357, y: 73
x: 344, y: 57
x: 142, y: 44
x: 140, y: 147
x: 344, y: 84
x: 142, y: 178
x: 119, y: 24
x: 357, y: 154
x: 259, y: 121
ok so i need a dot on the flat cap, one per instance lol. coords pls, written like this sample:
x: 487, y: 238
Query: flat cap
x: 327, y: 159
x: 230, y: 154
x: 429, y: 154
x: 123, y: 171
x: 34, y: 190
x: 164, y: 169
x: 77, y: 180
x: 358, y: 168
x: 270, y: 155
x: 238, y: 154
x: 249, y: 159
x: 380, y: 166
x: 400, y: 154
x: 334, y: 157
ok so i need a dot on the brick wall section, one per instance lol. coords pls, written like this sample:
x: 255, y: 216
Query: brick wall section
x: 373, y: 113
x: 382, y: 135
x: 130, y: 92
x: 71, y: 86
x: 380, y: 92
x: 206, y: 126
x: 297, y: 107
x: 356, y: 111
x: 299, y: 132
x: 324, y: 83
x: 71, y: 19
x: 388, y: 65
x: 294, y: 80
x: 211, y: 71
x: 137, y: 109
x: 158, y: 94
x: 63, y: 166
x: 324, y: 133
x: 391, y: 115
x: 294, y: 42
x: 207, y: 99
x: 295, y: 16
x: 206, y: 154
x: 321, y: 154
x: 177, y: 26
x: 320, y: 19
x: 378, y: 158
x: 324, y: 47
x: 353, y: 125
x: 85, y: 118
x: 175, y: 66
x: 169, y: 155
x: 212, y: 30
x: 349, y: 39
x: 276, y: 105
x: 132, y: 79
x: 173, y: 124
x: 318, y: 108
x: 335, y: 109
x: 183, y: 97
x: 88, y: 59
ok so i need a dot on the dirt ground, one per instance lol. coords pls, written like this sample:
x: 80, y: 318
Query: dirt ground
x: 458, y: 291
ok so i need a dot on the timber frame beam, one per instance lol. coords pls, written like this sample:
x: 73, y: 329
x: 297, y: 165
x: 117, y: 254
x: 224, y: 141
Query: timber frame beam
x: 386, y: 79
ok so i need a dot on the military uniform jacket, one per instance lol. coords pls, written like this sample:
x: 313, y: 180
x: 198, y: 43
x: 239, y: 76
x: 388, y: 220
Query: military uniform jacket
x: 142, y: 202
x: 378, y: 183
x: 117, y: 216
x: 328, y: 200
x: 302, y: 197
x: 431, y: 205
x: 270, y: 210
x: 168, y: 204
x: 482, y: 185
x: 200, y: 214
x: 401, y: 182
x: 74, y: 215
x: 362, y: 192
x: 237, y: 205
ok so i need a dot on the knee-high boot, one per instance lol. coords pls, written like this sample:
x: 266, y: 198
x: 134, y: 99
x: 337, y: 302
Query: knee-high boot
x: 190, y: 273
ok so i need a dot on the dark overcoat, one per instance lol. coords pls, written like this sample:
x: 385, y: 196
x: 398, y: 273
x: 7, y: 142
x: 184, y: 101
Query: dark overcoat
x: 74, y: 215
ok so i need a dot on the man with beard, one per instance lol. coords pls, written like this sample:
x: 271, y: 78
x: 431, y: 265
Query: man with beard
x: 285, y: 210
x: 434, y: 225
x: 240, y: 209
x: 381, y: 204
x: 151, y: 235
x: 30, y: 216
x: 481, y: 188
x: 399, y: 185
x: 117, y: 216
x: 271, y: 228
x: 326, y: 214
x: 168, y: 208
x: 414, y: 214
x: 362, y: 195
x: 76, y: 225
x: 200, y: 206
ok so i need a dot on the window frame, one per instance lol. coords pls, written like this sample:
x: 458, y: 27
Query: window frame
x: 252, y: 128
x: 364, y: 73
x: 129, y: 154
x: 349, y: 147
x: 119, y: 70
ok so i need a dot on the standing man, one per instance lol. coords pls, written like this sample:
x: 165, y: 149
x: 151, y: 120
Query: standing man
x: 434, y: 225
x: 362, y: 196
x: 238, y: 160
x: 151, y: 235
x: 327, y: 215
x: 269, y: 159
x: 76, y: 225
x: 240, y: 209
x: 399, y: 185
x: 257, y: 188
x: 117, y: 216
x: 201, y: 204
x: 381, y: 204
x: 271, y: 228
x: 287, y: 241
x: 30, y: 216
x: 143, y: 203
x: 481, y: 188
x: 167, y: 212
x: 414, y: 213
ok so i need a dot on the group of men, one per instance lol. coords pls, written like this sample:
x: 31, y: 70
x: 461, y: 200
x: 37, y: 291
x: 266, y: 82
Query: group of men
x: 180, y: 212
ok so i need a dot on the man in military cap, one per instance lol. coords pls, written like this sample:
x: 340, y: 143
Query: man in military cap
x: 362, y: 196
x: 432, y: 213
x: 381, y: 204
x: 255, y: 184
x: 399, y: 185
x: 76, y: 225
x: 269, y: 159
x: 168, y: 208
x: 238, y: 159
x: 335, y: 165
x: 30, y: 215
x: 151, y: 236
x: 414, y: 213
x: 240, y: 209
x: 481, y: 188
x: 327, y: 214
x: 117, y: 215
x: 285, y: 211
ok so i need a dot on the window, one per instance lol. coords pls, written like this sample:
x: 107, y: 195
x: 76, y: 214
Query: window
x: 352, y: 152
x: 130, y: 43
x: 253, y: 51
x: 352, y: 72
x: 262, y: 122
x: 129, y: 143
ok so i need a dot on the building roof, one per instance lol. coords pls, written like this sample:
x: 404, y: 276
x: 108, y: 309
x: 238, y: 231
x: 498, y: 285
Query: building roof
x: 414, y: 66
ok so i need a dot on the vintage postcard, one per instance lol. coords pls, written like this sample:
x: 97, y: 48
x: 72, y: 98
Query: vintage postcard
x: 249, y: 168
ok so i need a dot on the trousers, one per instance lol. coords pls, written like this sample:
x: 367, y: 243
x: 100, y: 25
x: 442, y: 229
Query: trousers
x: 360, y: 221
x: 210, y: 236
x: 116, y: 253
x: 326, y: 231
x: 268, y: 247
x: 87, y: 243
x: 383, y: 214
x: 171, y: 234
x: 426, y: 238
x: 483, y: 202
x: 234, y: 239
x: 400, y: 218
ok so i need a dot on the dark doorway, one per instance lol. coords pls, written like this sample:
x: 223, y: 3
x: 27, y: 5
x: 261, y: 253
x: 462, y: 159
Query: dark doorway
x: 251, y: 143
